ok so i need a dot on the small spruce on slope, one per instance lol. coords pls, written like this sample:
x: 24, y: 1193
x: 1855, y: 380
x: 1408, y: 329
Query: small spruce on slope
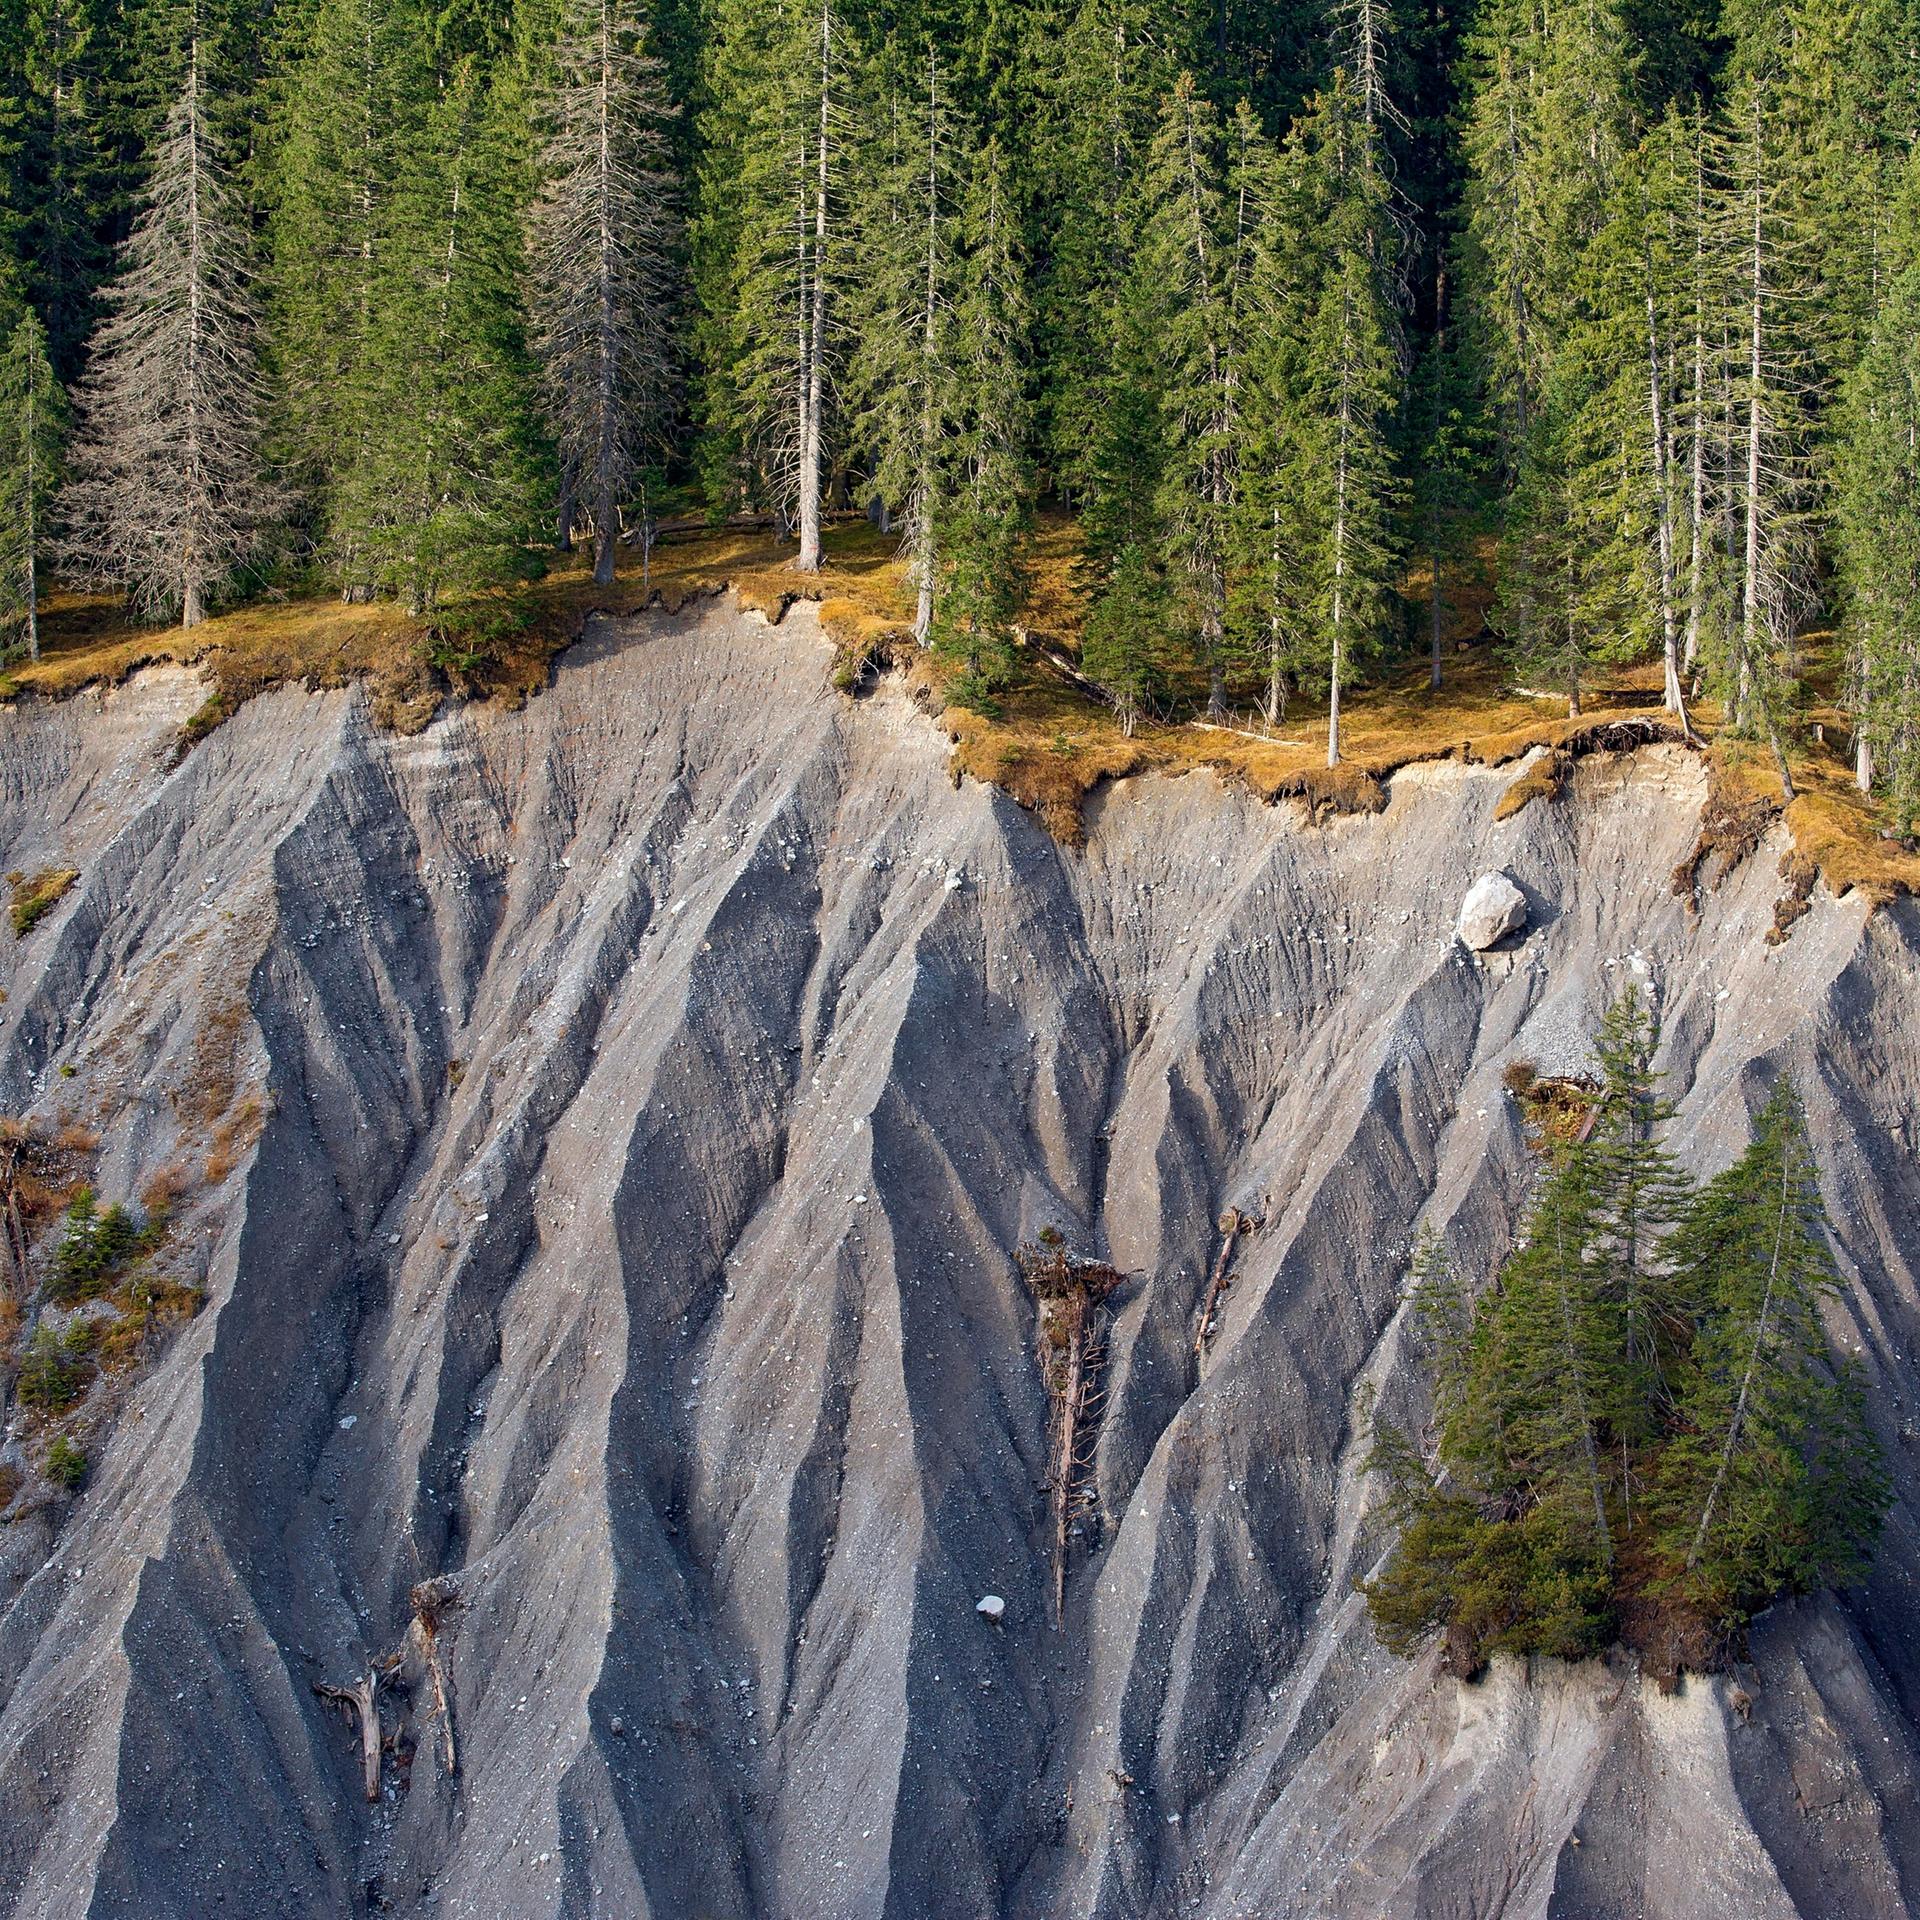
x: 1640, y: 1432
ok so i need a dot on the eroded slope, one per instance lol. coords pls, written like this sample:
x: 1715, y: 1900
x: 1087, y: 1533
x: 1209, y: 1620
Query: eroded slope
x: 653, y: 1085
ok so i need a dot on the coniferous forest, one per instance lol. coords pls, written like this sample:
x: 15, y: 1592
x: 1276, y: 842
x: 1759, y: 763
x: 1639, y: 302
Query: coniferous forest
x: 1310, y: 316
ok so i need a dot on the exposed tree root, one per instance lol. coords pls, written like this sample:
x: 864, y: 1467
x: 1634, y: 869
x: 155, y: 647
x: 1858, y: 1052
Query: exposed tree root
x: 1732, y: 824
x: 1800, y: 873
x: 1070, y: 1293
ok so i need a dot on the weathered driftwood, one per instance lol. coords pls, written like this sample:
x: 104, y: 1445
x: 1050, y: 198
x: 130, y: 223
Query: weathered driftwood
x: 1247, y: 733
x: 1070, y: 1333
x: 363, y: 1699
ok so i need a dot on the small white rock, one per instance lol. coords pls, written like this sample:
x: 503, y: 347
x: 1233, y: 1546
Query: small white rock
x: 991, y: 1607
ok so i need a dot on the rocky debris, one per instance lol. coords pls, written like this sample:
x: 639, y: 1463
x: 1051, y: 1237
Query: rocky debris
x: 1494, y: 907
x: 991, y: 1607
x: 716, y: 1460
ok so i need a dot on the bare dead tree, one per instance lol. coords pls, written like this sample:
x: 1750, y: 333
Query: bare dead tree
x: 605, y: 248
x: 362, y: 1700
x: 1070, y: 1294
x: 1233, y: 1223
x: 167, y: 493
x: 432, y: 1601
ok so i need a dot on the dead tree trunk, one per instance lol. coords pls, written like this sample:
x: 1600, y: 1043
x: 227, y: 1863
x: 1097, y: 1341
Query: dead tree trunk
x: 432, y: 1601
x: 1233, y: 1223
x: 363, y: 1699
x: 1070, y: 1293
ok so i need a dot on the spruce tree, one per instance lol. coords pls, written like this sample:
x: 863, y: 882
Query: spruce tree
x: 1128, y: 648
x: 166, y: 496
x: 1565, y: 599
x: 1275, y: 596
x: 1773, y: 1483
x: 1348, y: 393
x: 1182, y: 278
x: 1771, y: 369
x: 345, y: 133
x: 1450, y: 459
x: 1877, y: 535
x: 766, y: 247
x: 1547, y: 109
x: 904, y: 254
x: 1098, y: 105
x: 605, y: 259
x: 32, y: 439
x: 1639, y: 1194
x: 63, y: 186
x: 1641, y: 1428
x: 451, y: 492
x: 985, y: 516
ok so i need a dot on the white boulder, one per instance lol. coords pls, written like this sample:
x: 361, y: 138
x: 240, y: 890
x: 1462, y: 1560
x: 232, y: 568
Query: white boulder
x: 1494, y: 907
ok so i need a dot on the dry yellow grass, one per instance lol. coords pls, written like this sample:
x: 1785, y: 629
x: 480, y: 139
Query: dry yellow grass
x: 1048, y: 746
x: 1546, y: 779
x: 34, y: 896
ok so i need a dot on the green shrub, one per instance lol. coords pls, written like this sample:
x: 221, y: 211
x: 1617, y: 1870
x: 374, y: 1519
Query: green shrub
x: 66, y: 1464
x: 93, y: 1247
x: 54, y: 1373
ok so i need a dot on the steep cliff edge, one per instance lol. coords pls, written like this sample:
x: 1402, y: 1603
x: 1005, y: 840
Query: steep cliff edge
x: 651, y: 1087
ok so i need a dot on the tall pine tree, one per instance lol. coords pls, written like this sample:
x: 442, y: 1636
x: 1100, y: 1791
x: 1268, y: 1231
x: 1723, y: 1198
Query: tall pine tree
x: 766, y: 248
x: 1773, y: 1483
x: 605, y: 264
x: 32, y: 442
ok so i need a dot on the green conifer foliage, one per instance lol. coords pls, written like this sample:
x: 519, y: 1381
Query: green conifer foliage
x: 767, y: 248
x: 350, y: 114
x: 985, y: 513
x: 1182, y: 287
x: 1772, y: 1482
x: 1639, y: 1195
x: 1877, y: 529
x: 63, y: 188
x: 606, y: 236
x: 33, y: 425
x: 1640, y: 1427
x: 1347, y: 391
x: 905, y: 252
x: 450, y: 490
x: 1099, y: 99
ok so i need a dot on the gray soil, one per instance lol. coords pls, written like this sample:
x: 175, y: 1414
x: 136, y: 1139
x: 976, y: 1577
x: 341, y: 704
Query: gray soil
x: 653, y: 1086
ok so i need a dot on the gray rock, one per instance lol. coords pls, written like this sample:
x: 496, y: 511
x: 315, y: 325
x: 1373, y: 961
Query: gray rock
x: 1494, y: 907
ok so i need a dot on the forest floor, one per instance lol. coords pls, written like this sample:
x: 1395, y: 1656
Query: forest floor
x: 1049, y: 744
